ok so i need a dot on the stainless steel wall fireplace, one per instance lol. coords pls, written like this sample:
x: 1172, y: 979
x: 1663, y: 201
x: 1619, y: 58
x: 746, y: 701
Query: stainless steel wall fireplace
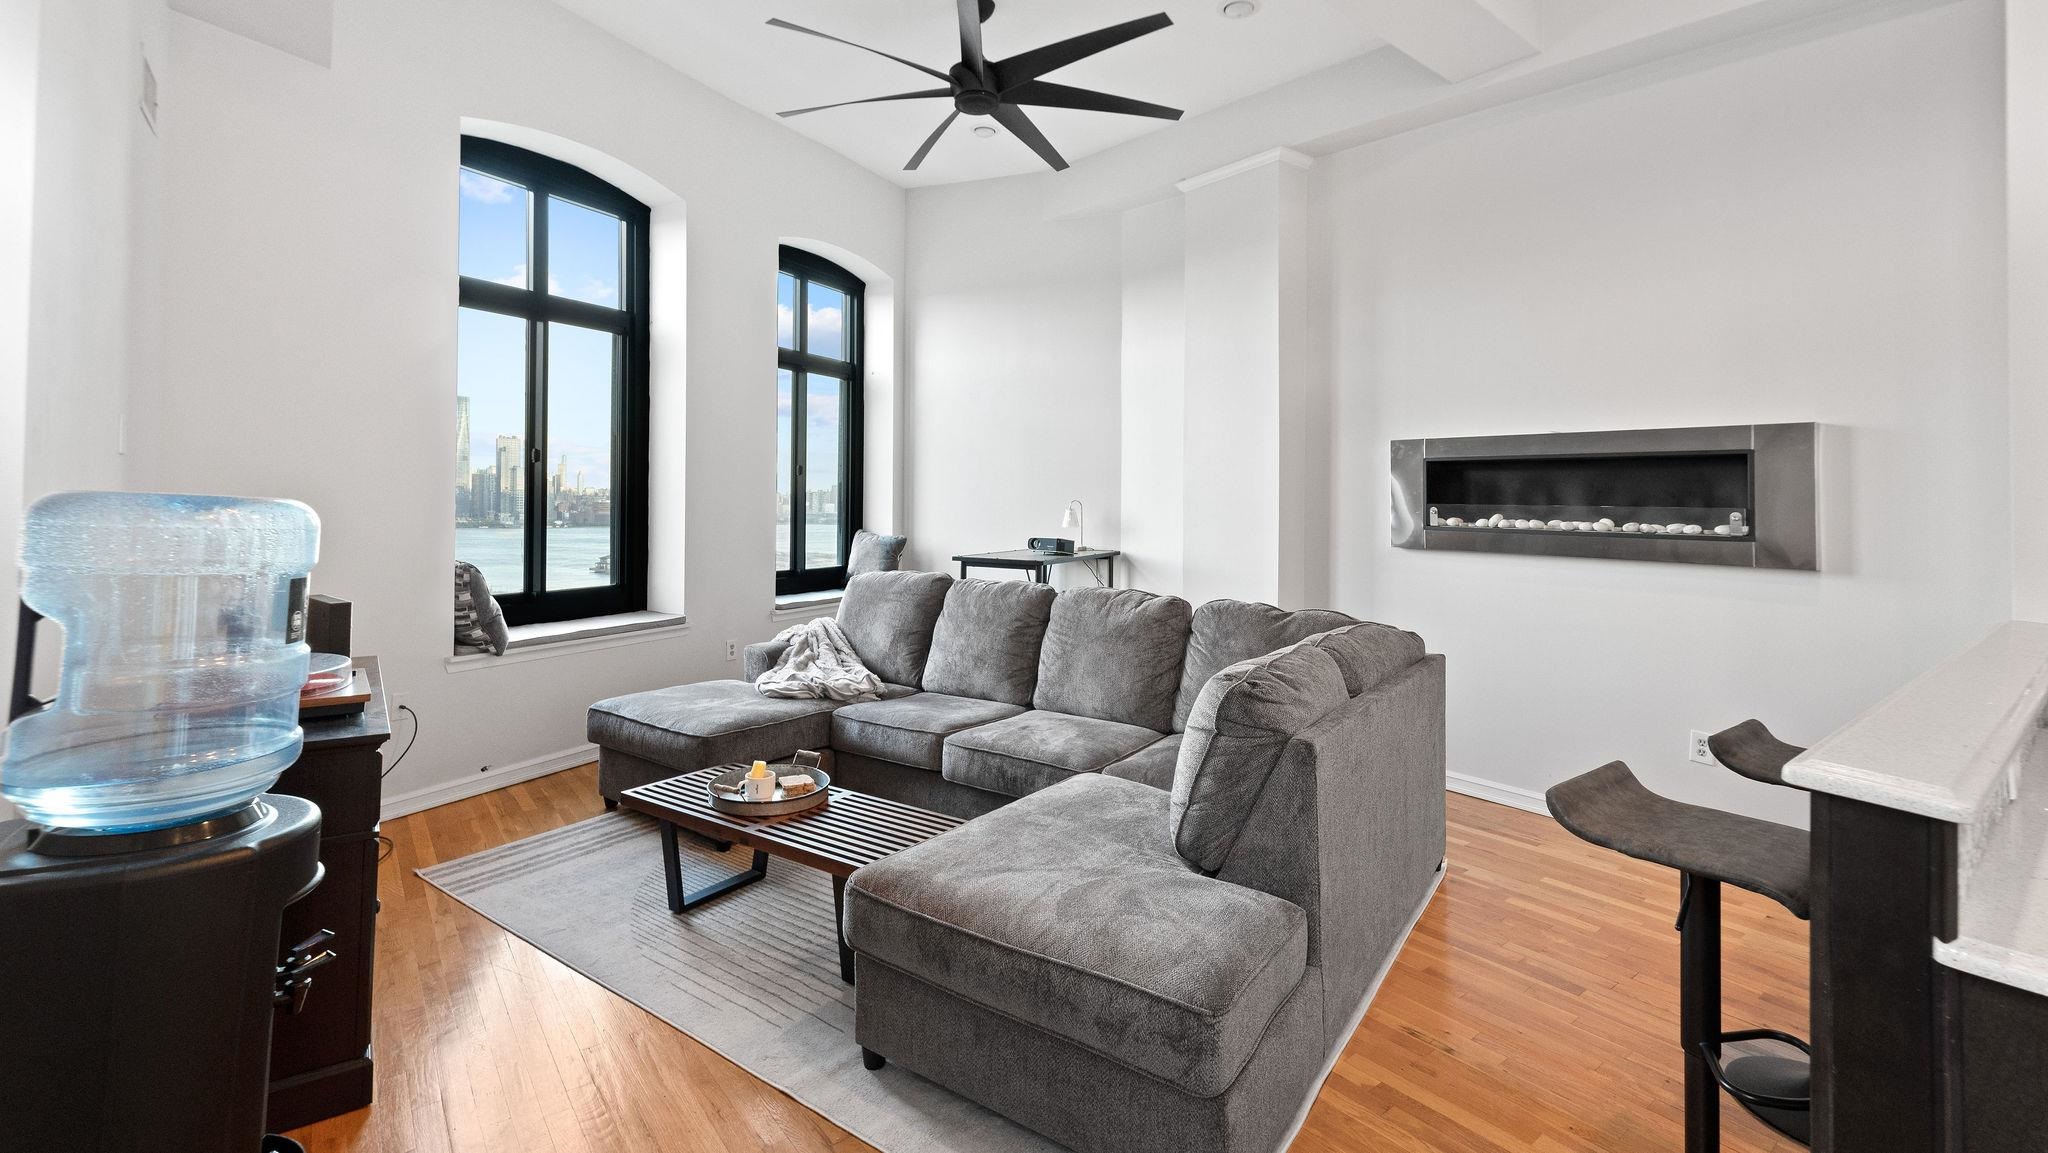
x: 1740, y: 494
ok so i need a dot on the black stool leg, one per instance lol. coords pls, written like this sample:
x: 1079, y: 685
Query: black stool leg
x: 1699, y: 1007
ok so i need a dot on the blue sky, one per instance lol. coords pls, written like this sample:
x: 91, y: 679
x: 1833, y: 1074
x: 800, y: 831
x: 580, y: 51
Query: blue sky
x: 583, y: 251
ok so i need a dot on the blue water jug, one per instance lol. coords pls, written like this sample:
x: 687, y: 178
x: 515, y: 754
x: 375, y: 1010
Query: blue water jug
x: 184, y: 652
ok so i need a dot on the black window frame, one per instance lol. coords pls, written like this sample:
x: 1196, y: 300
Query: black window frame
x: 808, y: 268
x: 544, y: 177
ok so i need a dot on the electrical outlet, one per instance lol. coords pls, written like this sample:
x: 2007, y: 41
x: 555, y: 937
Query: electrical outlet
x: 1699, y: 753
x: 732, y: 650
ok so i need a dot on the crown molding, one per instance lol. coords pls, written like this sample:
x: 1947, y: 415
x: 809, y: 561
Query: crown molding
x: 1287, y: 156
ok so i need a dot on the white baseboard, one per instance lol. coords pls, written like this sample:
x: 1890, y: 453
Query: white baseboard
x: 1371, y: 990
x: 1512, y: 796
x: 497, y: 778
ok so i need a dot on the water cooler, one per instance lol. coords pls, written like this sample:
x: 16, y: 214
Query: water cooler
x: 141, y: 898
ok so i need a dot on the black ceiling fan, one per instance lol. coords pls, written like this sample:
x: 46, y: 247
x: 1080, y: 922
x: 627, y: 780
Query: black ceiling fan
x: 1001, y: 88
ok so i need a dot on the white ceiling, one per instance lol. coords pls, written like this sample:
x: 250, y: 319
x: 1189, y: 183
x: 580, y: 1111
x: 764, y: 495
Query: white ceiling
x: 1202, y: 62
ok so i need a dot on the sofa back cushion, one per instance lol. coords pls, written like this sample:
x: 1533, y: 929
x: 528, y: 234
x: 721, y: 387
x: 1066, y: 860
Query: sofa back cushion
x: 888, y: 616
x: 1226, y: 632
x: 987, y: 640
x: 1240, y: 726
x: 1113, y: 654
x: 1368, y: 653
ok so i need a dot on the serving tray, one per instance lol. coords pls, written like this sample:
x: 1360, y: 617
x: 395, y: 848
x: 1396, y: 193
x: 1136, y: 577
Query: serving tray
x: 779, y: 805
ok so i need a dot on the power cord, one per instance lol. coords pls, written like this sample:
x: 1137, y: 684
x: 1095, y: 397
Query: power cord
x: 384, y: 845
x: 407, y: 710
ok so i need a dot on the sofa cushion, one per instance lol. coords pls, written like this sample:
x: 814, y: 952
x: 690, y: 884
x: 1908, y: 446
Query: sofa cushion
x: 1113, y: 654
x: 1242, y: 722
x: 986, y: 642
x: 691, y: 727
x: 872, y: 552
x: 1368, y: 653
x: 1152, y: 765
x: 1030, y: 751
x: 910, y: 730
x: 888, y: 616
x: 1069, y: 911
x: 1224, y: 632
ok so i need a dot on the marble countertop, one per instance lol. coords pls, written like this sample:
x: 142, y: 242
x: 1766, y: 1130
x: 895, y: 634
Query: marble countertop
x: 1942, y: 746
x: 2002, y: 918
x: 1960, y: 744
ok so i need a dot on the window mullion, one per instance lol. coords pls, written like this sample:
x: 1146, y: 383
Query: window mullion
x: 799, y: 402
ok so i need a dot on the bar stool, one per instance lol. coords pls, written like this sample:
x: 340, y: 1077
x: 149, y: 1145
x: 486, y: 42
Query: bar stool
x: 1766, y: 1071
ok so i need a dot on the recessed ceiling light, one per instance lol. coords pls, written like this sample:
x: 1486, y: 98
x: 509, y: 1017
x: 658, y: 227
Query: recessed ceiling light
x: 1239, y: 9
x: 984, y: 131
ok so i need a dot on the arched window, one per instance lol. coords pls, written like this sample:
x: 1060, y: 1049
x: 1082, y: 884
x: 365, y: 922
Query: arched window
x: 551, y: 386
x: 817, y: 421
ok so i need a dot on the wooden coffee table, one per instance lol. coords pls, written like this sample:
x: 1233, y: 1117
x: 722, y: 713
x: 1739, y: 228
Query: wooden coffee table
x: 840, y: 835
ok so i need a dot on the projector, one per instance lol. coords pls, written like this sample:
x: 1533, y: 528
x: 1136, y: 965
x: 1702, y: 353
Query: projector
x: 1052, y: 544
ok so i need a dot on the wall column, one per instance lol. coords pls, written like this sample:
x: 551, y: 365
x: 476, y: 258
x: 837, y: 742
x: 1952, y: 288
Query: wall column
x: 1247, y: 458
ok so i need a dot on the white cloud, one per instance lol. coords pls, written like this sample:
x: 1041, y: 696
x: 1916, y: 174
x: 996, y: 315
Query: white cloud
x: 827, y: 324
x: 485, y: 189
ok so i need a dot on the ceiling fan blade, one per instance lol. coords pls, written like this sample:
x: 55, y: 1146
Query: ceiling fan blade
x: 932, y: 72
x: 927, y: 93
x: 970, y: 37
x: 1046, y: 94
x: 1012, y: 117
x: 1031, y: 65
x: 925, y: 149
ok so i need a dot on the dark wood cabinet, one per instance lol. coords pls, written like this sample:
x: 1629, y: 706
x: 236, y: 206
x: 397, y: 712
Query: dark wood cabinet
x: 320, y: 1063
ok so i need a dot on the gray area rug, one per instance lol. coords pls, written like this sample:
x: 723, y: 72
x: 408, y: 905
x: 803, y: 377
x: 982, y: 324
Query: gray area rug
x: 753, y: 975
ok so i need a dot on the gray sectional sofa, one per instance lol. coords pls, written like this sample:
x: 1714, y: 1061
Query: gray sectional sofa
x: 1199, y: 837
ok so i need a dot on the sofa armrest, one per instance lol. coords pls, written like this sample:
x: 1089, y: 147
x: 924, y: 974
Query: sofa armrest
x: 759, y: 658
x: 1351, y: 824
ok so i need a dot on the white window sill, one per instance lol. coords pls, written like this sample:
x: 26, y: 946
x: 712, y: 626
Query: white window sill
x: 563, y: 638
x: 805, y: 604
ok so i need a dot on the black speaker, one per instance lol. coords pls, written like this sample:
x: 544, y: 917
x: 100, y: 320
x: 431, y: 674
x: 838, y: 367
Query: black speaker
x: 327, y: 620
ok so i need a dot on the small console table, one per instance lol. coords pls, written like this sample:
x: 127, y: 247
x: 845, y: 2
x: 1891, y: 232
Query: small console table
x: 320, y: 1063
x: 1038, y: 564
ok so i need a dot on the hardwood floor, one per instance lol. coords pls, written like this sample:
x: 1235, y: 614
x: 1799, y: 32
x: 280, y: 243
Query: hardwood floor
x: 1534, y: 1008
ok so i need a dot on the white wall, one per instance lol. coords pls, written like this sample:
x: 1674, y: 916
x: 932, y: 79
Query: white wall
x: 1014, y: 353
x: 2026, y: 145
x: 1812, y: 234
x: 1154, y: 425
x: 96, y: 174
x: 309, y: 329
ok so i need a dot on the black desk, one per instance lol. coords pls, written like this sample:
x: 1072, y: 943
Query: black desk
x: 1038, y: 564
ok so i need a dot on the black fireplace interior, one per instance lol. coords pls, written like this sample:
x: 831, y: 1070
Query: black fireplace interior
x: 1702, y: 488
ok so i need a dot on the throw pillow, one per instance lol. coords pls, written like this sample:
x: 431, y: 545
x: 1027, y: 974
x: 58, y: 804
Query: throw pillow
x: 872, y: 553
x: 479, y: 623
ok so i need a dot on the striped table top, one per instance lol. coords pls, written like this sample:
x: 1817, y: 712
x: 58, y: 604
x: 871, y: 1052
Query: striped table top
x: 845, y: 832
